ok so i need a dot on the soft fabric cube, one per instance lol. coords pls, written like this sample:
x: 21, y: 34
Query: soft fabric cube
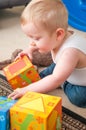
x: 21, y: 73
x: 35, y: 111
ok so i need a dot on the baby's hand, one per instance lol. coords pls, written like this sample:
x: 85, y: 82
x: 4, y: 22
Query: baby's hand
x: 20, y: 55
x: 17, y: 93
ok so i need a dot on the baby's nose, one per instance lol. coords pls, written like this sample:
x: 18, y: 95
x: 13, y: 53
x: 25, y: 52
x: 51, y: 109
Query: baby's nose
x: 33, y: 44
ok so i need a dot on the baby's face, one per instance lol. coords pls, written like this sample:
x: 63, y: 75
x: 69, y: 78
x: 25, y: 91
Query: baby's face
x: 40, y: 37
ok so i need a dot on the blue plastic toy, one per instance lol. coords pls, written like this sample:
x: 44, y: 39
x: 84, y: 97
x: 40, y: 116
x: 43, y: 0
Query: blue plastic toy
x: 77, y: 13
x: 5, y: 105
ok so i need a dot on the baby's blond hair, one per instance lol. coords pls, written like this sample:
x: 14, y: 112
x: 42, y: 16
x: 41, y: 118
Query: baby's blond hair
x: 50, y: 14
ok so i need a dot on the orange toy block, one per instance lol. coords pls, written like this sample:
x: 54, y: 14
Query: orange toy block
x: 21, y: 72
x: 35, y: 111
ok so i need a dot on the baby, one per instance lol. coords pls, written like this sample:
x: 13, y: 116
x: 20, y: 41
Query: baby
x: 45, y: 22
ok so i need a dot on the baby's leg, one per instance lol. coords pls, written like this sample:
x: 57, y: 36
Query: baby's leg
x: 76, y: 94
x: 47, y: 71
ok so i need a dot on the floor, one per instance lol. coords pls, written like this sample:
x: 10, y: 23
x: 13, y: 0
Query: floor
x: 12, y: 37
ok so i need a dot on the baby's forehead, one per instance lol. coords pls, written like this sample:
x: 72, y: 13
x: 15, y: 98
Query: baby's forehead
x: 31, y: 29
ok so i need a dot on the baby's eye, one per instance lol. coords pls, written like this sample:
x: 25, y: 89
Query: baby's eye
x: 37, y: 38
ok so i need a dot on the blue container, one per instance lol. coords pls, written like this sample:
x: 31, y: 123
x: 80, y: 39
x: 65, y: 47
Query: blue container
x: 5, y: 105
x: 77, y: 13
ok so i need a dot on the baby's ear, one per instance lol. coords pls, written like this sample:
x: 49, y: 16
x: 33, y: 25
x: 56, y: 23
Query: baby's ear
x: 60, y: 33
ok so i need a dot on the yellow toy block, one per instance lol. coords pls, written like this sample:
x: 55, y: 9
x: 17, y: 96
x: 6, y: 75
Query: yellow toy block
x: 21, y: 72
x: 35, y: 111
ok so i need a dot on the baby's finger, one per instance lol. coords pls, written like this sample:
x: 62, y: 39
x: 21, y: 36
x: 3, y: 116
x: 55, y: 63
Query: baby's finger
x: 11, y: 95
x: 23, y: 54
x: 16, y: 96
x: 20, y: 56
x: 14, y: 92
x: 17, y: 58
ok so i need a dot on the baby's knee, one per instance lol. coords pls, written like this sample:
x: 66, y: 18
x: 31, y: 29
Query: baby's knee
x: 76, y: 94
x: 77, y: 100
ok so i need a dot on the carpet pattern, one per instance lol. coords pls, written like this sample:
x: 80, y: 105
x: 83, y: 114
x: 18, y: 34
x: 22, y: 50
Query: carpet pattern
x: 70, y: 120
x: 5, y: 88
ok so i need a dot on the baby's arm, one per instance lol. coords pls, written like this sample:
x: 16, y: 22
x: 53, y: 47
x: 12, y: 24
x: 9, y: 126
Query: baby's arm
x: 63, y: 69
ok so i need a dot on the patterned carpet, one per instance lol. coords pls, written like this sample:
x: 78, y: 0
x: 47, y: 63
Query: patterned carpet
x: 70, y: 120
x: 5, y: 88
